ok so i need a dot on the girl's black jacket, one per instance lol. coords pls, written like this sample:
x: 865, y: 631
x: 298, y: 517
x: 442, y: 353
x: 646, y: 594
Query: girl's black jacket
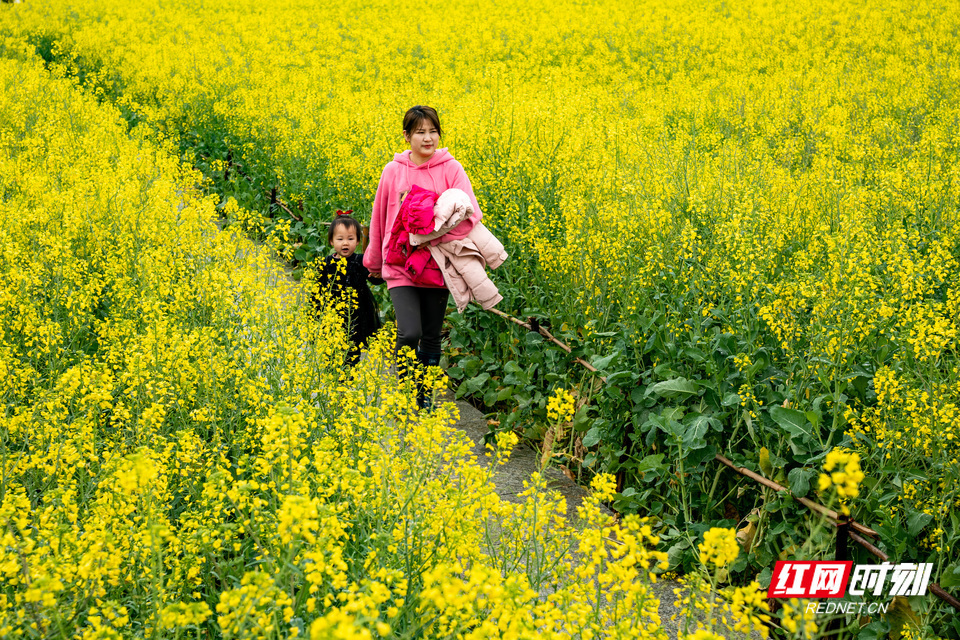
x: 362, y: 317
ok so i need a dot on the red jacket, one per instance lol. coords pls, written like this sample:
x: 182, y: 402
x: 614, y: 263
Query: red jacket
x: 415, y: 216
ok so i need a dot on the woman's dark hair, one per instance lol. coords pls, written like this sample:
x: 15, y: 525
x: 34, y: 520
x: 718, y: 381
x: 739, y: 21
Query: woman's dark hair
x: 344, y: 221
x: 416, y: 115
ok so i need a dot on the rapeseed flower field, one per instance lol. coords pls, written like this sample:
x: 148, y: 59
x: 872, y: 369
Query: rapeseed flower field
x: 743, y: 214
x: 183, y: 455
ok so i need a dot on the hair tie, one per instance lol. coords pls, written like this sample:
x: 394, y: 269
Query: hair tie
x: 344, y: 213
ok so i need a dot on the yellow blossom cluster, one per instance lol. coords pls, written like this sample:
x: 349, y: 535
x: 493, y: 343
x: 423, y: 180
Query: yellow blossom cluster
x: 843, y: 474
x: 799, y: 619
x: 731, y: 612
x: 719, y: 547
x: 560, y: 405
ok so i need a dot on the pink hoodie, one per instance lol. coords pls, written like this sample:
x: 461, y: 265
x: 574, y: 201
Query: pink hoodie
x: 439, y: 173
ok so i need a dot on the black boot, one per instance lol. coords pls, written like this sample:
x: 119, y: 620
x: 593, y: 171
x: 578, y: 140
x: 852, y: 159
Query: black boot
x: 425, y: 401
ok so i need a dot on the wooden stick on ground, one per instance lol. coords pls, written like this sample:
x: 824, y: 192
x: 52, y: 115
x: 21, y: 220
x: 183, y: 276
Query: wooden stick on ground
x: 549, y: 336
x: 935, y: 588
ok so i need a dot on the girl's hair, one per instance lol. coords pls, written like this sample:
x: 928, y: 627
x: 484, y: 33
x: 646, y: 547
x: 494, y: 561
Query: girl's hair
x: 344, y: 221
x: 416, y: 115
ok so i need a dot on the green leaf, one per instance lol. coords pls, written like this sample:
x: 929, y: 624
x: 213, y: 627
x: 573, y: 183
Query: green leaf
x: 761, y: 360
x: 950, y: 577
x: 799, y: 479
x: 739, y: 564
x: 792, y: 421
x: 672, y: 413
x: 874, y: 631
x: 471, y: 365
x: 917, y: 521
x: 619, y: 378
x: 532, y: 338
x: 675, y: 553
x: 514, y: 374
x: 730, y: 400
x: 518, y: 379
x: 670, y: 426
x: 604, y: 362
x: 673, y: 388
x: 696, y: 457
x: 663, y: 370
x: 504, y: 394
x: 765, y: 576
x: 695, y: 432
x: 592, y: 438
x: 764, y: 557
x: 860, y: 384
x: 512, y: 367
x: 474, y: 384
x: 581, y: 419
x: 653, y: 462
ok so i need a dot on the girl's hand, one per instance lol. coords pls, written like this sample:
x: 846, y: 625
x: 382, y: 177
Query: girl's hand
x: 374, y: 274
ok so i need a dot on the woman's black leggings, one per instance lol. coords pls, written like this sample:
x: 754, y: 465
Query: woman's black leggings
x: 420, y: 313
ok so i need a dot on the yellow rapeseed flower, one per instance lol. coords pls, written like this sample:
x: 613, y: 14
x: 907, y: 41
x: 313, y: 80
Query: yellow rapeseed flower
x: 719, y: 547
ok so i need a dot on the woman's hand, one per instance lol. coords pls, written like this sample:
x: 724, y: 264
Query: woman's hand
x: 375, y: 274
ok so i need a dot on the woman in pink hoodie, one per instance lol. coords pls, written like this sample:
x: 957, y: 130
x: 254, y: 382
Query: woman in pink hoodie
x: 419, y: 309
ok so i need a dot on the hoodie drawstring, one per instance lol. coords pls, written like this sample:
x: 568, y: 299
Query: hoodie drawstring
x: 409, y: 183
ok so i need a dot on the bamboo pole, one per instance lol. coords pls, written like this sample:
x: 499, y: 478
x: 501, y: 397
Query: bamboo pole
x: 549, y: 336
x: 935, y: 588
x: 830, y: 513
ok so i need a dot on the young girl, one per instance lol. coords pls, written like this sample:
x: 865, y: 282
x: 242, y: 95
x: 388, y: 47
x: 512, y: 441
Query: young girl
x: 344, y: 278
x: 419, y: 309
